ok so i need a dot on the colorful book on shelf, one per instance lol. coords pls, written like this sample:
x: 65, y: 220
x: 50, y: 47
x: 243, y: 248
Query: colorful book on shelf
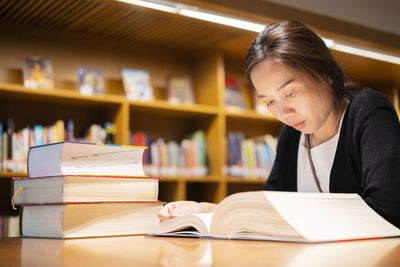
x: 137, y: 84
x: 233, y: 94
x: 19, y: 155
x: 37, y: 72
x: 90, y: 81
x: 81, y: 188
x: 187, y: 158
x: 271, y: 142
x: 180, y: 90
x: 5, y: 159
x: 141, y: 139
x: 8, y: 138
x: 74, y: 158
x: 198, y: 140
x: 250, y: 158
x: 69, y: 130
x: 39, y: 136
x: 234, y: 153
x: 89, y: 219
x: 284, y: 216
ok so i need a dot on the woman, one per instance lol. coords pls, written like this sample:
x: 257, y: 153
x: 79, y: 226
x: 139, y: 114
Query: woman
x: 336, y: 138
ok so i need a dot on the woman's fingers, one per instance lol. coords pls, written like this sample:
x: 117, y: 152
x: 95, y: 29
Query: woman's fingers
x: 178, y: 208
x: 163, y: 214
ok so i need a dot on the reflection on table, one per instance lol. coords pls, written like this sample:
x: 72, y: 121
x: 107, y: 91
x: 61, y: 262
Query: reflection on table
x: 158, y: 251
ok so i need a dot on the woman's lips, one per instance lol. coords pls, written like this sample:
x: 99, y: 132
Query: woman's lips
x: 299, y: 126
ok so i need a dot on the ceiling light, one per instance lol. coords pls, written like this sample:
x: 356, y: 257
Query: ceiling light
x: 224, y: 20
x: 328, y: 42
x: 366, y: 53
x: 161, y: 6
x: 210, y: 16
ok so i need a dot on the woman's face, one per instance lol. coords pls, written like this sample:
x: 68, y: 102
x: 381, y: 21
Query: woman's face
x: 295, y: 100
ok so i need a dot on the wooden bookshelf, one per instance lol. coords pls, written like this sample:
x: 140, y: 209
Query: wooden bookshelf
x: 12, y: 174
x: 112, y: 35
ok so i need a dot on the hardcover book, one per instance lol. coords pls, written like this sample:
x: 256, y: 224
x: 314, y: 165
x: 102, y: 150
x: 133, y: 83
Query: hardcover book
x: 137, y: 84
x: 74, y: 158
x: 37, y: 72
x: 284, y: 216
x: 81, y: 188
x: 180, y: 90
x: 89, y: 219
x: 90, y: 81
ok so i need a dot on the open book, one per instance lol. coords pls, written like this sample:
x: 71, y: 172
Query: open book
x: 285, y: 216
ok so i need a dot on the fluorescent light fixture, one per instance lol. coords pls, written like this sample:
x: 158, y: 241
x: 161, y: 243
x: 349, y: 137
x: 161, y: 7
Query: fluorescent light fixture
x: 334, y: 45
x: 228, y: 21
x: 366, y: 53
x: 328, y: 42
x: 162, y: 6
x: 207, y: 15
x: 194, y: 12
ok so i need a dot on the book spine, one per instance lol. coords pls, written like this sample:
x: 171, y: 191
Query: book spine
x: 10, y: 132
x: 38, y: 137
x: 5, y: 153
x: 250, y: 158
x: 173, y: 159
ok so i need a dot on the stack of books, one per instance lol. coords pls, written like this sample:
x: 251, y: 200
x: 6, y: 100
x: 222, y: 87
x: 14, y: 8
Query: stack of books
x: 86, y: 190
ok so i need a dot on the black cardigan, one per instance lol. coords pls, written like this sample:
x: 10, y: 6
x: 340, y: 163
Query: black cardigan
x: 367, y: 159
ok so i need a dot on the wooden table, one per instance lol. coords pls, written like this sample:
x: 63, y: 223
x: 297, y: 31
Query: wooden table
x: 159, y: 251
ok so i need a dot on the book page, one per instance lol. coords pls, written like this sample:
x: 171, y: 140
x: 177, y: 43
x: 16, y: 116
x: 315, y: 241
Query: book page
x: 330, y: 217
x: 206, y: 218
x: 102, y: 159
x: 180, y: 224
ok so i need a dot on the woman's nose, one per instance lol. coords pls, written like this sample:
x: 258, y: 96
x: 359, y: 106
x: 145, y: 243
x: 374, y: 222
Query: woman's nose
x: 285, y: 111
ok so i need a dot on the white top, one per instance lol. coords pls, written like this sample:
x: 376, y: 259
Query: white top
x: 322, y: 157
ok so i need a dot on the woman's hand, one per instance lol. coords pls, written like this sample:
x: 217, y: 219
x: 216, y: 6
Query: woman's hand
x: 184, y: 207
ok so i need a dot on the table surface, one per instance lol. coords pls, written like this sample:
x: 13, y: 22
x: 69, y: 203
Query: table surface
x: 167, y: 251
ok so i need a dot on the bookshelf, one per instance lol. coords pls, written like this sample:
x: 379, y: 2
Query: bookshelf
x: 112, y: 35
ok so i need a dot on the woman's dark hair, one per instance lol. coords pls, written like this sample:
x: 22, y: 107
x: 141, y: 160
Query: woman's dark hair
x: 299, y: 48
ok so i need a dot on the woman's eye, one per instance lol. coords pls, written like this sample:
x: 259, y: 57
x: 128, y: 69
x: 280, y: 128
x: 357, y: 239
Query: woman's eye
x: 269, y: 103
x: 291, y: 94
